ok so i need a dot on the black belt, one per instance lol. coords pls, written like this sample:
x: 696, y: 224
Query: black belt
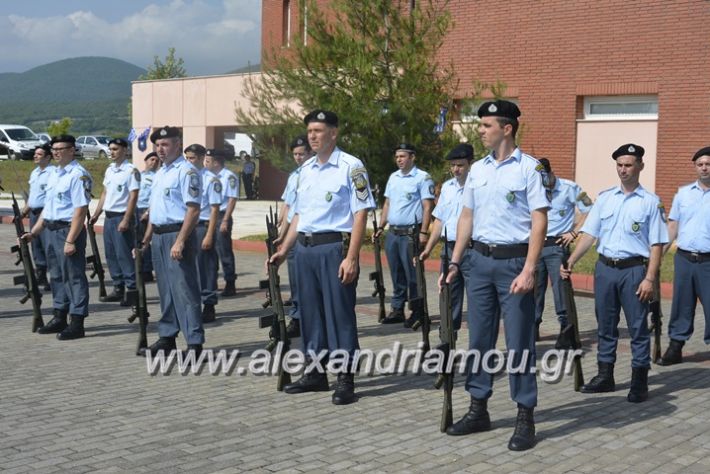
x: 166, y: 229
x: 500, y: 251
x: 621, y: 263
x: 452, y: 243
x: 202, y: 223
x: 695, y: 257
x: 36, y: 211
x: 403, y: 229
x: 550, y: 241
x: 111, y: 214
x: 56, y: 225
x: 311, y: 240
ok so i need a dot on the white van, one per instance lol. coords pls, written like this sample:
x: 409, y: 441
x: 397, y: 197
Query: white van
x: 17, y: 142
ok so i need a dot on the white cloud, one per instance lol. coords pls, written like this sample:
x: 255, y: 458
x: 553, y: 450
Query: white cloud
x: 211, y: 37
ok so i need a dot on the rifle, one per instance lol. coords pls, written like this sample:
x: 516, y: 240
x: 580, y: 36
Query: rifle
x: 419, y: 305
x: 272, y: 233
x: 377, y: 276
x: 656, y: 319
x: 448, y: 344
x: 29, y: 279
x: 137, y: 298
x: 277, y: 320
x: 571, y: 331
x: 94, y: 260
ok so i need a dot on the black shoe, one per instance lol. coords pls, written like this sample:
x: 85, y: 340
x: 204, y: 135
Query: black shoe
x: 638, y: 391
x: 42, y: 279
x: 75, y: 330
x: 124, y: 301
x: 344, y: 390
x: 229, y: 290
x: 524, y: 435
x: 115, y: 296
x: 56, y: 325
x: 166, y: 344
x: 537, y: 330
x: 475, y: 421
x: 196, y: 348
x: 395, y: 316
x: 293, y: 329
x: 409, y: 322
x: 603, y: 381
x: 310, y: 382
x: 674, y: 353
x: 148, y: 277
x: 565, y: 339
x: 208, y: 313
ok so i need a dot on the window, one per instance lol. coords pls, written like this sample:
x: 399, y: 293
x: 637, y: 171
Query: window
x: 287, y: 23
x: 627, y: 107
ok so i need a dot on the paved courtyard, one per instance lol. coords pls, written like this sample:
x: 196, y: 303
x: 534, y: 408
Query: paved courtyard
x: 90, y: 405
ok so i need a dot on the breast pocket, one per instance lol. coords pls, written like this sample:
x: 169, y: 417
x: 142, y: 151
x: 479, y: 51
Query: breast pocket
x: 172, y: 192
x: 606, y: 218
x: 636, y: 223
x: 513, y: 190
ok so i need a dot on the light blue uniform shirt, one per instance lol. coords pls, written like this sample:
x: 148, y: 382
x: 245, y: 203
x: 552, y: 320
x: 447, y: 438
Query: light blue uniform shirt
x: 38, y: 186
x: 503, y: 197
x: 230, y: 187
x: 67, y: 189
x: 147, y: 178
x: 119, y: 181
x: 449, y: 207
x: 405, y: 194
x: 330, y: 194
x: 174, y: 187
x: 566, y: 195
x: 211, y: 193
x: 290, y: 193
x: 691, y: 209
x: 626, y: 225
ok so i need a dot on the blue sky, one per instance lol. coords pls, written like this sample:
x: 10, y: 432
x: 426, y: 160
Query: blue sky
x: 212, y: 36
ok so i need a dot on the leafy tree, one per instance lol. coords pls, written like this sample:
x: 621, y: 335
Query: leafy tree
x: 170, y: 68
x: 59, y: 127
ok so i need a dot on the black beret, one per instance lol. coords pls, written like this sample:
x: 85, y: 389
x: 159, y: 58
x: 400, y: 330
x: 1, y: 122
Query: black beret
x: 119, y: 142
x: 499, y: 108
x: 197, y: 149
x: 405, y: 147
x: 324, y: 116
x: 150, y: 155
x: 47, y: 149
x: 300, y: 141
x: 216, y: 154
x: 63, y: 139
x: 164, y: 132
x: 702, y: 152
x: 545, y: 164
x: 629, y: 149
x: 462, y: 151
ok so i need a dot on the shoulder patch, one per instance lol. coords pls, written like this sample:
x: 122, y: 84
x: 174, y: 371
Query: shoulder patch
x: 359, y: 178
x: 539, y: 167
x: 584, y: 198
x: 137, y: 174
x: 232, y: 181
x: 217, y: 185
x: 662, y: 208
x: 194, y: 190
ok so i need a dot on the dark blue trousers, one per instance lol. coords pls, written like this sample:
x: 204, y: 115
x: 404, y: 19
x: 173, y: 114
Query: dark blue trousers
x: 488, y: 295
x: 690, y: 282
x: 224, y: 248
x: 119, y: 257
x: 39, y: 244
x: 294, y: 312
x: 327, y: 306
x: 404, y: 277
x: 549, y: 266
x: 70, y: 287
x: 458, y: 286
x: 615, y: 289
x: 147, y: 256
x: 179, y: 289
x: 207, y: 264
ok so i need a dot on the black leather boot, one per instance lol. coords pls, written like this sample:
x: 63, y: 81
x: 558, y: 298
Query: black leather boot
x: 638, y: 391
x: 475, y: 421
x: 229, y: 289
x: 673, y: 354
x: 196, y: 348
x: 310, y: 382
x: 114, y: 296
x: 395, y: 316
x: 603, y: 381
x: 75, y: 330
x: 344, y: 390
x: 524, y: 435
x: 293, y: 329
x: 56, y: 325
x: 166, y: 344
x: 208, y: 313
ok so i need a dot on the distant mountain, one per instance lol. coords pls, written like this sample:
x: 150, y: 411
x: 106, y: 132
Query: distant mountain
x: 93, y: 91
x: 245, y: 69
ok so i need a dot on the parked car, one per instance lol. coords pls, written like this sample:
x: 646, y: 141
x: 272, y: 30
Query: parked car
x: 44, y: 137
x: 94, y: 146
x: 17, y: 142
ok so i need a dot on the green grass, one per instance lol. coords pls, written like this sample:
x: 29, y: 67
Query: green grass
x: 15, y: 174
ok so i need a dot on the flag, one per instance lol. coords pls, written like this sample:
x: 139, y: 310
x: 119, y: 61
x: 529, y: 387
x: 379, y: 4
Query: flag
x: 441, y: 121
x: 132, y: 135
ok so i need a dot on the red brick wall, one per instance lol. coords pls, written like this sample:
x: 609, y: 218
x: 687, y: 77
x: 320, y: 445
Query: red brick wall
x: 551, y: 53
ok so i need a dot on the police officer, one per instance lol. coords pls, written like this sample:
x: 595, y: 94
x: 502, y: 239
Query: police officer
x: 446, y: 216
x: 248, y: 171
x: 33, y: 208
x: 562, y: 229
x: 207, y: 262
x: 689, y: 221
x: 119, y: 197
x: 230, y: 194
x: 65, y: 206
x: 627, y: 222
x: 152, y: 163
x: 409, y: 199
x: 174, y: 212
x: 505, y: 211
x: 331, y: 210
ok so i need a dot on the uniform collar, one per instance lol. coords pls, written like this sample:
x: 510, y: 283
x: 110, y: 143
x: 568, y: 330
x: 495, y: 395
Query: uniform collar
x: 491, y: 158
x: 68, y: 168
x: 640, y: 190
x: 412, y: 172
x: 176, y: 162
x: 696, y: 185
x: 333, y: 159
x: 120, y: 167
